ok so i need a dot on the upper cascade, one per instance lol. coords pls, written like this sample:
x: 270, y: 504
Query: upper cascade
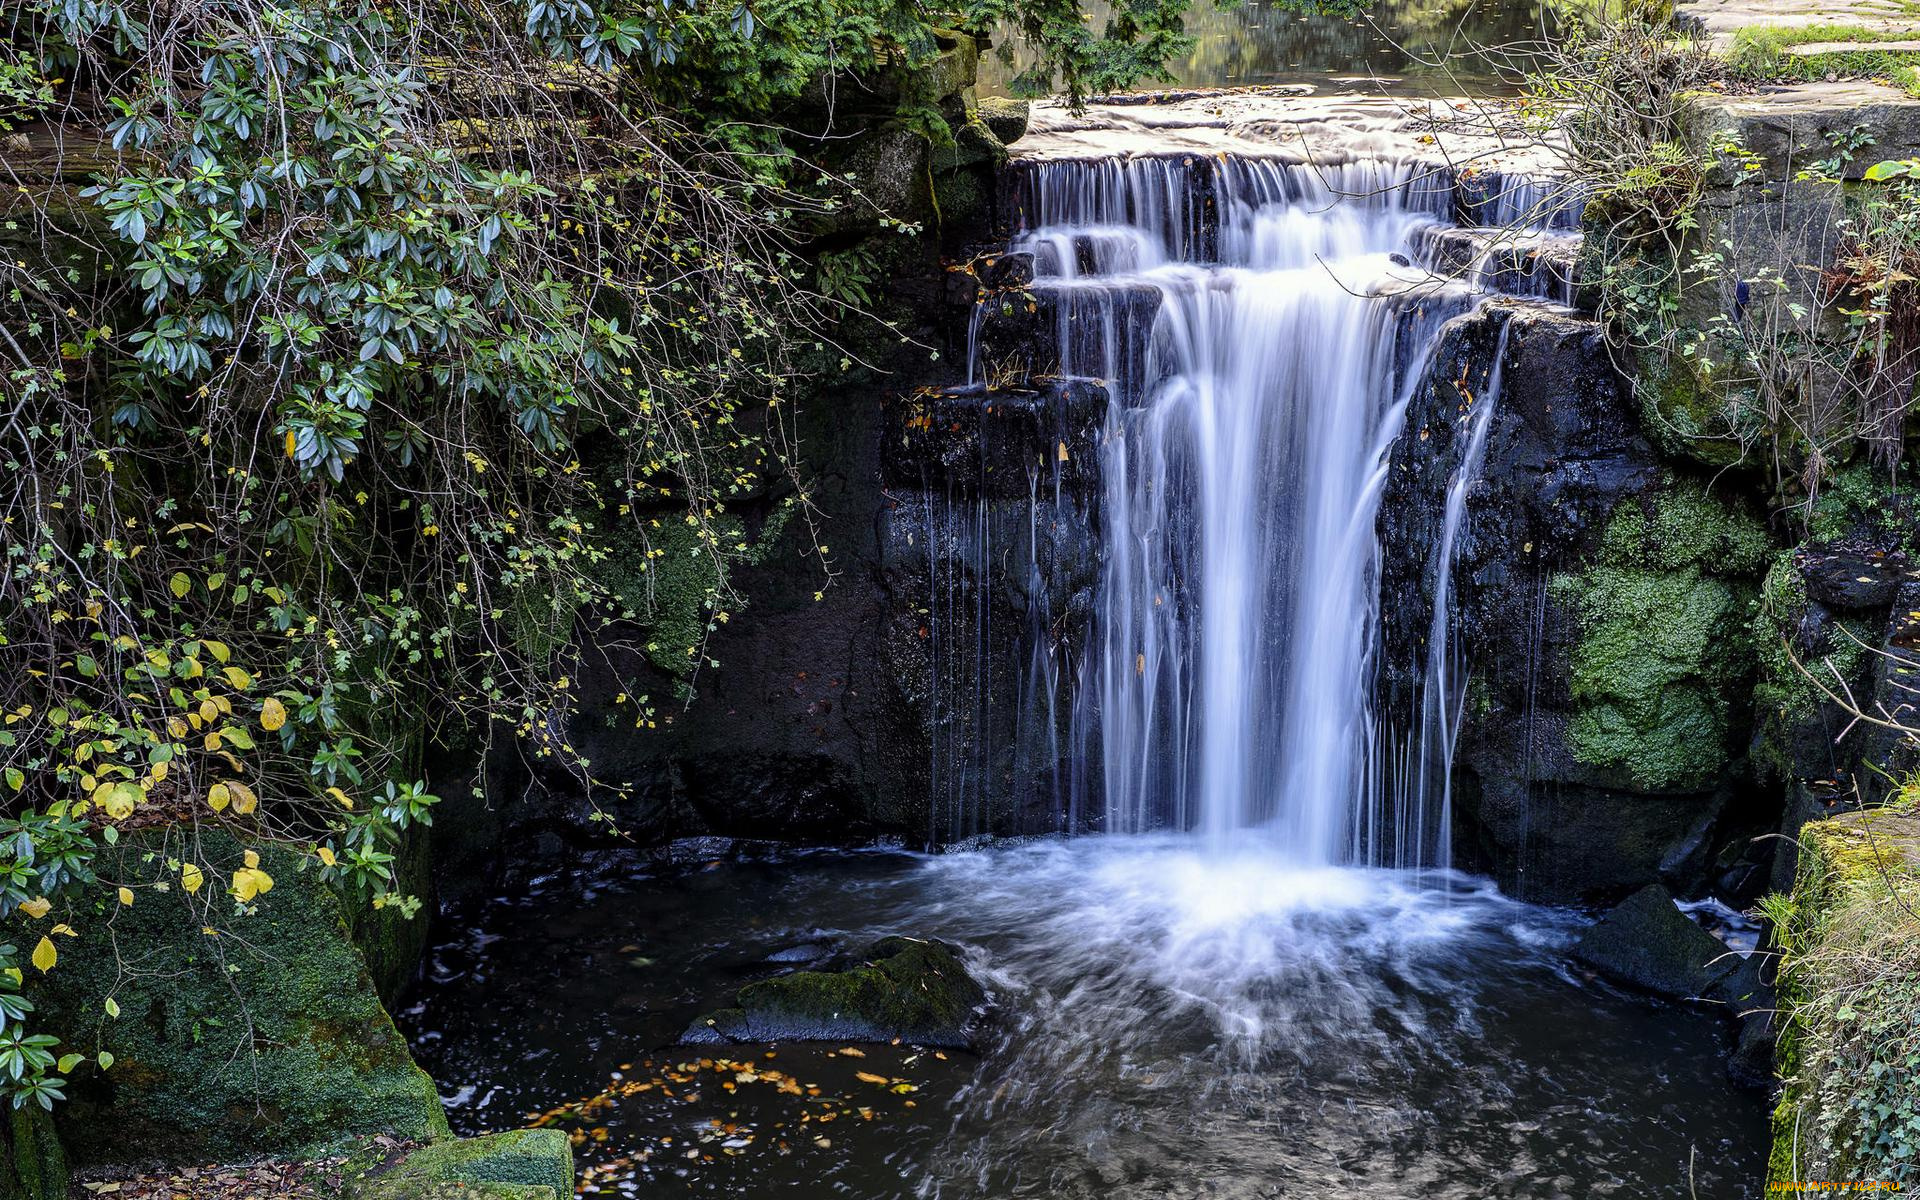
x: 1261, y: 321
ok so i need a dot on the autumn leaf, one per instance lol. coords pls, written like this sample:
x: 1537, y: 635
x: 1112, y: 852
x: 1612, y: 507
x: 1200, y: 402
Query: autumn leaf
x: 218, y: 797
x: 273, y: 714
x: 36, y: 907
x: 191, y: 877
x: 244, y: 801
x: 44, y: 955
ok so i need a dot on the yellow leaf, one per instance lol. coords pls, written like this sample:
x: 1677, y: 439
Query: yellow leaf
x: 37, y: 907
x: 66, y: 930
x: 113, y: 1007
x: 209, y: 711
x: 326, y: 856
x: 121, y: 801
x: 218, y: 650
x: 179, y: 585
x: 251, y: 858
x: 291, y: 441
x: 345, y: 801
x: 211, y: 741
x: 273, y: 714
x: 126, y: 896
x: 44, y: 955
x: 191, y: 877
x: 218, y: 797
x: 250, y: 881
x: 176, y: 727
x: 869, y: 1077
x: 240, y: 680
x: 244, y: 801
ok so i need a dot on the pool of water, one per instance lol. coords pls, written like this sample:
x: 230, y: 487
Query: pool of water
x: 1169, y: 1020
x: 1424, y: 47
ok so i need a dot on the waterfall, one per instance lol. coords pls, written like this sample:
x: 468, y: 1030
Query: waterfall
x: 1243, y: 461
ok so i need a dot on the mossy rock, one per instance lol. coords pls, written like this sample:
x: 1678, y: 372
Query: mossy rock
x: 523, y: 1164
x: 1849, y: 1105
x: 1006, y: 118
x: 420, y: 1189
x: 911, y: 990
x: 33, y: 1166
x: 236, y: 1036
x: 1685, y: 416
x: 1659, y: 676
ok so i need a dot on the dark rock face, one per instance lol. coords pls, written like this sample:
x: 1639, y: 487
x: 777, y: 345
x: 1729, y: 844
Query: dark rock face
x: 1602, y: 602
x: 911, y: 990
x: 815, y: 725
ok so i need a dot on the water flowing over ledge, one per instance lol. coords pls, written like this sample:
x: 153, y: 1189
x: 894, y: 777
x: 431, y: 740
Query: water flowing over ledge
x: 1257, y: 327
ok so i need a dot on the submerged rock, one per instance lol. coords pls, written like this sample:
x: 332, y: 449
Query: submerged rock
x: 911, y: 990
x: 1652, y: 945
x: 1648, y: 943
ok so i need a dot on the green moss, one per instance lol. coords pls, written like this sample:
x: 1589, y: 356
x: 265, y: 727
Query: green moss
x: 914, y: 990
x: 1849, y: 1049
x: 236, y: 1036
x: 1762, y: 53
x: 1659, y: 672
x: 540, y: 1159
x: 33, y: 1166
x: 668, y: 582
x: 1686, y: 416
x: 1865, y: 502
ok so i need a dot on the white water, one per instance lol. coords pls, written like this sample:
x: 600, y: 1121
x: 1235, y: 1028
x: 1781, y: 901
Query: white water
x: 1244, y: 461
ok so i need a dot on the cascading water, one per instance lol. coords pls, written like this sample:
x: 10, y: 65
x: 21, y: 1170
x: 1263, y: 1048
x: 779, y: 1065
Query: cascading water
x: 1243, y: 463
x: 1165, y: 605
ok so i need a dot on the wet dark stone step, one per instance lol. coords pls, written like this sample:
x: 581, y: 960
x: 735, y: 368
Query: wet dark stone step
x: 996, y: 442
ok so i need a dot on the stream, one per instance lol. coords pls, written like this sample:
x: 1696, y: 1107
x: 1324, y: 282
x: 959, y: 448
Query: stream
x: 1169, y: 1019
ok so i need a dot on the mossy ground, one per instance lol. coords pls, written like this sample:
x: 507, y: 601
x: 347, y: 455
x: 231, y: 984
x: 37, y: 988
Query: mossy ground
x: 1763, y: 53
x: 1849, y: 1050
x: 1659, y: 673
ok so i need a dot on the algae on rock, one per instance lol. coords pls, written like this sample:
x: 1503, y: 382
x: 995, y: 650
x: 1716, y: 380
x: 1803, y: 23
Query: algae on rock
x: 518, y: 1164
x: 911, y: 990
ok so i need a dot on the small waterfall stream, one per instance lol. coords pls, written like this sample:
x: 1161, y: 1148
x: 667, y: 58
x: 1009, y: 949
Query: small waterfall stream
x: 1243, y: 459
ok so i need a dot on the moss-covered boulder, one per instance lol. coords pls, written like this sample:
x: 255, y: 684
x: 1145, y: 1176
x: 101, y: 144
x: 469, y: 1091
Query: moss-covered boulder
x: 907, y: 989
x: 519, y: 1164
x: 1849, y: 1054
x: 1659, y: 677
x: 33, y: 1166
x: 232, y: 1035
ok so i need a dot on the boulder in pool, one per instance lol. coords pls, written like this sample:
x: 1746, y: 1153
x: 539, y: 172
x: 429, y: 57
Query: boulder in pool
x: 906, y: 989
x: 1650, y: 944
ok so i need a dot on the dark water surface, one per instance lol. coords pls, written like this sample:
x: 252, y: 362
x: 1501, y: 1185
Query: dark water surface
x: 1422, y: 47
x: 1171, y: 1021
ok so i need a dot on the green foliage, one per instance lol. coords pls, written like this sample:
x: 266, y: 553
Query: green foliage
x: 423, y: 338
x: 1663, y: 652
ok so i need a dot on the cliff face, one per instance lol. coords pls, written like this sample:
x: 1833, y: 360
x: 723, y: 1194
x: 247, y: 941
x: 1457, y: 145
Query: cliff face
x: 1624, y: 603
